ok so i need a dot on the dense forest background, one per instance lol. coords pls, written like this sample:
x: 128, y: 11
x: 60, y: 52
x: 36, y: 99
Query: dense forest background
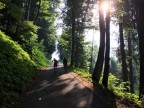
x: 27, y: 40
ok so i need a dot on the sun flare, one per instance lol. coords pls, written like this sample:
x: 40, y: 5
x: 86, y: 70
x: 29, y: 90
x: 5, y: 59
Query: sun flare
x: 105, y: 6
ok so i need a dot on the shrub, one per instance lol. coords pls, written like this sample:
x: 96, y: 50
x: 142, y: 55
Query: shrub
x: 17, y: 70
x: 39, y: 57
x: 83, y: 73
x: 120, y: 90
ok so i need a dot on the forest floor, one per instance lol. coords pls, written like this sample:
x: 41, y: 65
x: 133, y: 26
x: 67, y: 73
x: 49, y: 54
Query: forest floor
x: 59, y: 90
x: 65, y: 90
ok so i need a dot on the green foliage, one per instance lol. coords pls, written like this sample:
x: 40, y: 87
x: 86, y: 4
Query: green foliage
x: 92, y: 54
x: 113, y: 81
x: 120, y: 90
x: 1, y: 5
x: 21, y: 58
x: 28, y: 31
x: 15, y: 11
x: 17, y: 70
x: 83, y: 73
x: 39, y: 57
x: 12, y: 15
x: 115, y: 86
x: 81, y: 54
x: 75, y: 13
x: 65, y: 44
x: 31, y: 45
x: 22, y: 27
x: 46, y: 21
x: 27, y: 35
x: 114, y: 66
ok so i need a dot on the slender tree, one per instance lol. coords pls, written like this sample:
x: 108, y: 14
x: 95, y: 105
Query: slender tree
x: 38, y: 12
x: 99, y: 64
x: 91, y: 59
x: 140, y: 25
x: 28, y: 9
x: 107, y: 51
x: 122, y: 50
x: 75, y: 19
x: 73, y: 33
x: 130, y: 64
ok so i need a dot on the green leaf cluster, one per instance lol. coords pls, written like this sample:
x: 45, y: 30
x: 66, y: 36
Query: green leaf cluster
x: 81, y: 49
x: 17, y: 70
x: 119, y: 89
x: 1, y: 5
x: 28, y: 35
x: 83, y: 73
x: 39, y: 57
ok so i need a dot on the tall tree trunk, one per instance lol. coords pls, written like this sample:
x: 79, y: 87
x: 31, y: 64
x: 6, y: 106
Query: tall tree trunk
x: 140, y: 23
x: 107, y: 53
x: 86, y: 11
x: 99, y: 64
x: 73, y: 34
x: 8, y: 25
x: 130, y: 65
x: 76, y: 57
x: 123, y: 55
x: 35, y: 22
x: 28, y: 10
x: 15, y: 37
x: 91, y: 61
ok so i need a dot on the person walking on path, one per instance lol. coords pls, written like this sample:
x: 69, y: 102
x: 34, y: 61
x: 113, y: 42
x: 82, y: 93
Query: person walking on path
x: 65, y: 64
x: 55, y: 64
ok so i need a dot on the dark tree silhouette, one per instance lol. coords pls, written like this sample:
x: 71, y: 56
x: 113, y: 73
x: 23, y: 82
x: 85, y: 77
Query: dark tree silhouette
x: 99, y: 64
x: 73, y: 33
x: 107, y: 51
x: 140, y: 25
x: 123, y: 55
x: 130, y: 64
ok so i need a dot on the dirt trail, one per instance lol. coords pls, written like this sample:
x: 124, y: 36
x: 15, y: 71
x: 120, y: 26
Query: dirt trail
x: 59, y: 90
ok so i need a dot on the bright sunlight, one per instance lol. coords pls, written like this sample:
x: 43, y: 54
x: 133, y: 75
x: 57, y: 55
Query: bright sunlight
x: 105, y: 7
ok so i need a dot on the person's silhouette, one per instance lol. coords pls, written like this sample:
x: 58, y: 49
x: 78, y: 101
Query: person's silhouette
x: 65, y: 64
x: 55, y: 64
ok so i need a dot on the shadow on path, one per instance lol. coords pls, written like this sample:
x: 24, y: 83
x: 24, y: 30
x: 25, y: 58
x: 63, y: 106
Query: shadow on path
x: 59, y: 90
x: 105, y: 95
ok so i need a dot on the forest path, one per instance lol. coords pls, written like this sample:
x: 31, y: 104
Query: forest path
x: 51, y: 90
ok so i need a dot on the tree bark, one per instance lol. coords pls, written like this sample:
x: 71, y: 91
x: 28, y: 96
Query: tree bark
x: 35, y: 22
x: 130, y: 65
x: 107, y: 53
x: 140, y: 26
x: 73, y: 34
x: 123, y: 55
x: 91, y: 59
x: 99, y: 64
x: 8, y: 25
x: 28, y: 10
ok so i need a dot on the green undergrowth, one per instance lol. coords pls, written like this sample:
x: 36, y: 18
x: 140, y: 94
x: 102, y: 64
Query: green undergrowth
x: 119, y: 89
x: 83, y: 73
x: 16, y: 72
x: 39, y: 57
x: 114, y: 87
